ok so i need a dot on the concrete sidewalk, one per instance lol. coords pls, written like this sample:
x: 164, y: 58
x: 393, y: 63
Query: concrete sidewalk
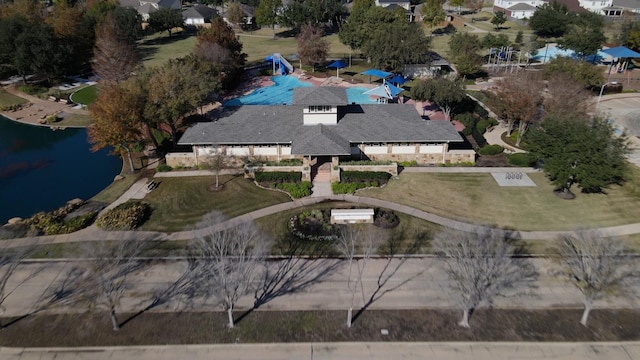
x: 347, y: 350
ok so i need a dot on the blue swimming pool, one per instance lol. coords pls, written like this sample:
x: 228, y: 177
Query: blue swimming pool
x: 281, y: 92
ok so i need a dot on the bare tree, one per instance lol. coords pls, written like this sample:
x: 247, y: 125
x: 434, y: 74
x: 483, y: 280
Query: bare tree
x: 10, y: 261
x: 566, y: 98
x: 598, y: 266
x: 352, y: 243
x: 481, y: 265
x: 517, y: 99
x: 101, y: 281
x: 312, y: 47
x: 114, y: 58
x: 228, y: 262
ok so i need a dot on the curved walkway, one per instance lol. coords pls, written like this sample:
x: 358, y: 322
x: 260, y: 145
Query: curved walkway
x: 93, y: 233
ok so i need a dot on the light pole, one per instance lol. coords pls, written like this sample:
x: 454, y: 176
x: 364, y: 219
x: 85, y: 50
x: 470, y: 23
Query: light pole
x: 602, y: 90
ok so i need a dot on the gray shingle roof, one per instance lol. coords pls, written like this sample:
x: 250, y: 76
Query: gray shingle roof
x: 320, y: 95
x: 523, y: 7
x: 199, y: 12
x: 282, y: 124
x: 320, y: 140
x: 629, y: 4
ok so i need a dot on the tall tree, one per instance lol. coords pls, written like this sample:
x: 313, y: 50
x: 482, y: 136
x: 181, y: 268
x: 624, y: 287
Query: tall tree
x: 629, y: 35
x: 129, y: 23
x: 116, y: 120
x: 517, y: 100
x: 579, y: 151
x: 166, y: 19
x: 229, y: 265
x: 235, y: 14
x: 355, y: 32
x: 463, y: 48
x: 267, y: 13
x: 219, y: 46
x: 586, y: 35
x: 598, y: 266
x: 550, y: 20
x: 498, y: 19
x: 385, y: 49
x: 447, y: 94
x: 312, y: 48
x: 481, y: 266
x: 174, y: 91
x: 432, y: 12
x: 566, y: 97
x: 114, y: 58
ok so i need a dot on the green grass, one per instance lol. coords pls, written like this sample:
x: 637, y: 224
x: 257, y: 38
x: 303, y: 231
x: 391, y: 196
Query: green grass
x: 179, y: 203
x: 158, y: 48
x: 7, y: 99
x: 477, y: 198
x: 85, y: 96
x: 112, y: 192
x: 75, y: 120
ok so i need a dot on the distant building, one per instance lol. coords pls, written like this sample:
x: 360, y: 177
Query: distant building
x: 199, y: 15
x: 146, y: 7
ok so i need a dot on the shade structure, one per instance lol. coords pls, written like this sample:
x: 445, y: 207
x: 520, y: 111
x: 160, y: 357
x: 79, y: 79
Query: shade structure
x: 338, y: 64
x: 398, y: 80
x: 380, y: 91
x: 621, y: 52
x: 393, y: 90
x: 376, y: 73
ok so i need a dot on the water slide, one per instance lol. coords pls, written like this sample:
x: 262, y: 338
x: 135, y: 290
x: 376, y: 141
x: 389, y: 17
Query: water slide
x: 283, y: 65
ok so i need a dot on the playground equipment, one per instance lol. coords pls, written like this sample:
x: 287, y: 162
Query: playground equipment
x: 281, y: 63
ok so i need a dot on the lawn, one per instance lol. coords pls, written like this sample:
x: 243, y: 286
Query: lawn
x: 477, y: 198
x: 7, y: 99
x: 190, y: 327
x: 412, y: 235
x: 158, y: 48
x: 179, y: 203
x: 112, y: 192
x: 85, y: 96
x: 73, y: 119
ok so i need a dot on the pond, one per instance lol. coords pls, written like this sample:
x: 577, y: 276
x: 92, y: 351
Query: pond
x: 41, y: 169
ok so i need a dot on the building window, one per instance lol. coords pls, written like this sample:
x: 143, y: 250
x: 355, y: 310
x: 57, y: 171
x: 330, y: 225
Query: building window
x: 319, y: 108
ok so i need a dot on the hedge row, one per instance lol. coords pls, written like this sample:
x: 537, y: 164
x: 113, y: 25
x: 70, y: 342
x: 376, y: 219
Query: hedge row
x: 380, y: 177
x: 286, y: 162
x: 366, y: 162
x: 351, y: 187
x: 278, y: 177
x: 521, y: 159
x: 491, y: 150
x: 296, y: 191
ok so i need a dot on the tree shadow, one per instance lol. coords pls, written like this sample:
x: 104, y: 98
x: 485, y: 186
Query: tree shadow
x: 395, y: 249
x: 295, y: 272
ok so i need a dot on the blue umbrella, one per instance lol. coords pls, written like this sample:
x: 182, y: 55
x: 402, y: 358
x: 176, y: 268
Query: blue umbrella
x: 398, y: 80
x: 338, y: 64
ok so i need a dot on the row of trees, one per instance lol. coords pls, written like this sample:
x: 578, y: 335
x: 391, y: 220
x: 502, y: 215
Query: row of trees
x: 228, y: 264
x: 298, y: 13
x: 129, y: 109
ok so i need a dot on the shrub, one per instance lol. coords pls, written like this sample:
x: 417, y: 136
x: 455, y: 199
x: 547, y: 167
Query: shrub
x: 313, y: 225
x: 54, y: 223
x: 33, y: 89
x: 365, y: 176
x: 278, y: 177
x: 521, y: 159
x: 127, y: 216
x: 411, y: 163
x: 468, y: 120
x: 385, y: 219
x: 367, y: 162
x: 491, y: 150
x: 350, y: 187
x: 296, y: 191
x: 164, y: 168
x: 286, y: 162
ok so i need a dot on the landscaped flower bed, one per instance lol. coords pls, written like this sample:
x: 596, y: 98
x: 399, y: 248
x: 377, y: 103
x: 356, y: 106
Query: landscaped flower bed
x: 313, y: 225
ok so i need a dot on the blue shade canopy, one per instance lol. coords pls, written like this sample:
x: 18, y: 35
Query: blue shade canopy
x: 338, y: 64
x: 621, y: 52
x: 393, y: 90
x: 377, y: 73
x: 380, y: 91
x: 397, y: 80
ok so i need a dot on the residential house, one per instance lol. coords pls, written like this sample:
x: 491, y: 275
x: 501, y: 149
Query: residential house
x: 146, y: 7
x: 517, y: 9
x: 198, y: 15
x: 392, y: 5
x: 321, y: 126
x: 249, y: 14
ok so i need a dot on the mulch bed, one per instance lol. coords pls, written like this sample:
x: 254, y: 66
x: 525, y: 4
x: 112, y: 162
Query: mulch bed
x: 154, y: 328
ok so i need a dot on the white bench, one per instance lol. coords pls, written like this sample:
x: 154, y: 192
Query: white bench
x: 351, y: 216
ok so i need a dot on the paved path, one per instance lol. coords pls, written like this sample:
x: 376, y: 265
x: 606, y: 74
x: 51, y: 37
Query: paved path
x: 342, y: 350
x: 624, y: 109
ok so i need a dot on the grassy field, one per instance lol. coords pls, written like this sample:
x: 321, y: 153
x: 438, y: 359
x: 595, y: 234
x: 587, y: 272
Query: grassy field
x: 477, y: 198
x: 7, y: 99
x: 190, y: 327
x: 75, y: 120
x: 115, y: 189
x: 179, y: 203
x: 158, y: 48
x: 85, y: 96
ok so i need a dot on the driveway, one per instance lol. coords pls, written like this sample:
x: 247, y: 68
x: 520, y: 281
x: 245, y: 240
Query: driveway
x: 624, y: 109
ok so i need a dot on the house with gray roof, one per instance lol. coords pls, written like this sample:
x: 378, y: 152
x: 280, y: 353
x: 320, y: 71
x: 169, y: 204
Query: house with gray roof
x: 199, y: 15
x: 146, y: 7
x: 321, y: 126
